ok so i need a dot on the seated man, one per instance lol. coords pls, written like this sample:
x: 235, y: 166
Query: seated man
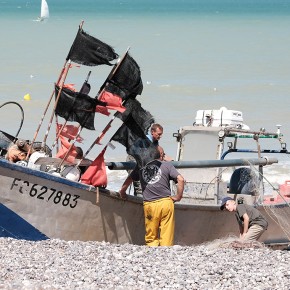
x: 14, y: 154
x: 18, y: 151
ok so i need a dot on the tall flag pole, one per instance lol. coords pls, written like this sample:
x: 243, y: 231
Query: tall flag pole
x: 45, y: 111
x: 81, y: 127
x: 90, y: 51
x: 111, y: 74
x: 61, y: 77
x: 127, y: 79
x: 85, y: 50
x: 84, y: 90
x: 108, y: 126
x: 68, y: 65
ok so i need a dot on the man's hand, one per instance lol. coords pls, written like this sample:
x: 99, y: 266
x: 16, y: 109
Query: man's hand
x: 123, y: 194
x: 176, y: 198
x: 180, y: 188
x: 124, y: 187
x: 242, y: 236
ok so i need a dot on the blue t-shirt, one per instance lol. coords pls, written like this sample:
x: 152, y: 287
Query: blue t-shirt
x: 149, y: 136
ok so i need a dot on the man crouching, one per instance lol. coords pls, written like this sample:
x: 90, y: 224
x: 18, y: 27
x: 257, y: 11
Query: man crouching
x: 251, y: 222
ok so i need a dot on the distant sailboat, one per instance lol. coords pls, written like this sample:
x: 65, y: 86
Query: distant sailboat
x: 44, y: 12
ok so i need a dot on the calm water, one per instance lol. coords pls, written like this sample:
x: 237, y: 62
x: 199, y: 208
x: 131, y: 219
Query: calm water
x: 194, y: 54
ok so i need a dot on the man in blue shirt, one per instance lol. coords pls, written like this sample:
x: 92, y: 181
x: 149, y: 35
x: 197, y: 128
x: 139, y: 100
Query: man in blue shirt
x: 155, y: 135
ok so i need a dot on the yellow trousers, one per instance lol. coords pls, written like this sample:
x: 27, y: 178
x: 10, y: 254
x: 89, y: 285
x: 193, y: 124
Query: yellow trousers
x: 159, y: 222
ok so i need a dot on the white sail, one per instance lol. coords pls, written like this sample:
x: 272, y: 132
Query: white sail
x: 44, y: 14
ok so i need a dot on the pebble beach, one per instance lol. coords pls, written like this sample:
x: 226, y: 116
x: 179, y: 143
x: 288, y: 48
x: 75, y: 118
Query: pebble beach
x: 57, y: 264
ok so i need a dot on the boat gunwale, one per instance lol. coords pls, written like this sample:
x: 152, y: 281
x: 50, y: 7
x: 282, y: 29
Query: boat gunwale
x: 15, y: 167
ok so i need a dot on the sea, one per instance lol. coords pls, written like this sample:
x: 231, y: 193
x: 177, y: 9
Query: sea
x: 193, y: 55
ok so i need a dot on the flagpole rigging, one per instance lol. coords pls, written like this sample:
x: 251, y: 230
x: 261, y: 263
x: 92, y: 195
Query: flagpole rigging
x: 56, y: 119
x: 113, y: 71
x: 83, y: 51
x: 45, y: 111
x: 59, y: 131
x: 55, y: 104
x: 47, y: 106
x: 107, y: 127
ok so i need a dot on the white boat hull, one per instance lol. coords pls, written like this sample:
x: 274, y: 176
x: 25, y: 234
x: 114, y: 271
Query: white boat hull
x: 36, y: 205
x: 59, y: 208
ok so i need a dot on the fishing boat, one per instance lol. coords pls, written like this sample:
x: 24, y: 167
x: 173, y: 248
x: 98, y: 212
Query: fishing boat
x: 44, y: 11
x: 45, y: 196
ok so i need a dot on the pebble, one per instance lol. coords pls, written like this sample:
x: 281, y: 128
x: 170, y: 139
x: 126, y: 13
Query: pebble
x: 56, y: 264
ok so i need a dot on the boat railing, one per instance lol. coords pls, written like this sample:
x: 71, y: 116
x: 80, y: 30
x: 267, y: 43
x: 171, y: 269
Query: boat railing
x: 265, y: 151
x: 200, y: 163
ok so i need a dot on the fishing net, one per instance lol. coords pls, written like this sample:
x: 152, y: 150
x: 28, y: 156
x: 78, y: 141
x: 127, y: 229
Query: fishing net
x: 250, y: 185
x: 275, y: 204
x: 232, y: 242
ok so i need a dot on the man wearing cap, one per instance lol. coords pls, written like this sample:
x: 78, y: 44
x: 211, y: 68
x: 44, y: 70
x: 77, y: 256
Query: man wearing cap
x: 251, y: 222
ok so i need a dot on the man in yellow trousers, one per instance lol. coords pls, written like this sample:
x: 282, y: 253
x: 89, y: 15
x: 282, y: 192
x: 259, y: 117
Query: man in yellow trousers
x: 158, y: 203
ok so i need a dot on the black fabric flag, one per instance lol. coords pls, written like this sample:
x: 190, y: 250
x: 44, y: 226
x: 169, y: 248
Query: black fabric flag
x: 76, y: 107
x: 90, y: 51
x: 137, y: 145
x: 132, y: 134
x: 135, y: 117
x: 113, y: 89
x: 126, y: 137
x: 128, y: 77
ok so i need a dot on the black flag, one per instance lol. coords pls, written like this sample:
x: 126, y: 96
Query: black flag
x: 135, y: 116
x: 86, y: 87
x: 76, y: 107
x: 136, y: 144
x: 128, y: 77
x: 132, y: 134
x: 90, y: 51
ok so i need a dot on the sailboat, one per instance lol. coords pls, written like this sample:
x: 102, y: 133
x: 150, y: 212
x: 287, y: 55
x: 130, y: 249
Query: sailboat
x: 44, y: 11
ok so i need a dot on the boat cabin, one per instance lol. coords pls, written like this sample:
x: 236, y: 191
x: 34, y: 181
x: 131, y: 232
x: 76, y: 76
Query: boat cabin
x: 222, y: 135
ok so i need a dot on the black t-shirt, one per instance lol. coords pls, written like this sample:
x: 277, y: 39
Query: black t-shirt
x: 155, y: 179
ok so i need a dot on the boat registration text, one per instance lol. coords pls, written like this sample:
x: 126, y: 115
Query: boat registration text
x: 44, y: 193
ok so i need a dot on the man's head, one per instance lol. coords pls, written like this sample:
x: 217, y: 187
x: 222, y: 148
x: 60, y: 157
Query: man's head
x: 79, y: 152
x: 14, y: 154
x: 161, y: 152
x: 156, y: 131
x: 228, y: 203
